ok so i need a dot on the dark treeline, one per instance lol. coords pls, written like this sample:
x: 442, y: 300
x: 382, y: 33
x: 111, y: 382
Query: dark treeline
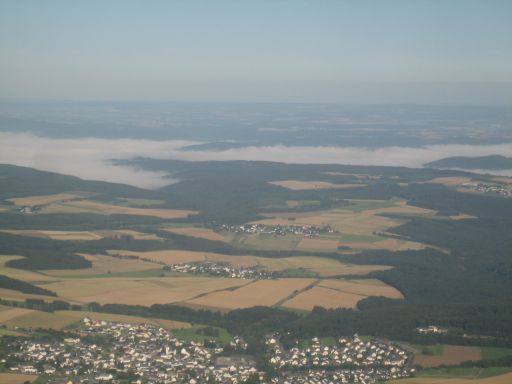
x: 75, y: 221
x: 42, y: 305
x: 467, y: 162
x: 39, y: 253
x: 377, y: 317
x: 22, y: 286
x: 397, y: 320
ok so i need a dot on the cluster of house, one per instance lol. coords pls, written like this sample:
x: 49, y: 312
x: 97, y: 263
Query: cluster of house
x: 431, y: 330
x: 282, y: 230
x: 221, y: 270
x: 143, y: 352
x: 489, y: 188
x: 26, y: 209
x: 350, y: 361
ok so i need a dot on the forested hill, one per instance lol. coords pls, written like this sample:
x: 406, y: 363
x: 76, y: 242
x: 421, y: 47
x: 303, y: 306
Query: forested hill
x: 16, y: 181
x: 494, y: 162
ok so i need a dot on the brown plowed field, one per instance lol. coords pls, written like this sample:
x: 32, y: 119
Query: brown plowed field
x: 452, y: 355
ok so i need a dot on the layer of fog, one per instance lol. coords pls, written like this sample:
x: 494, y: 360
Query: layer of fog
x: 89, y: 158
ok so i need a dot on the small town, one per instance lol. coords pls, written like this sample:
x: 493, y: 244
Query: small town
x: 369, y: 361
x: 489, y: 188
x: 148, y: 354
x: 281, y: 230
x: 139, y: 353
x: 221, y: 270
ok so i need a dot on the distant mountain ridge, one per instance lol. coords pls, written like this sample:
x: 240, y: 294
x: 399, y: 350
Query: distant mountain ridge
x: 493, y: 162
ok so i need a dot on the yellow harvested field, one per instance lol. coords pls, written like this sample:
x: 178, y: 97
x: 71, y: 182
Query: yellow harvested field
x: 389, y: 244
x: 62, y: 319
x: 179, y: 257
x: 364, y: 287
x: 203, y: 233
x: 299, y: 185
x: 323, y: 297
x: 7, y: 313
x: 452, y: 355
x: 500, y: 379
x: 82, y: 235
x: 110, y: 209
x: 20, y: 274
x: 16, y: 378
x: 43, y: 200
x: 261, y: 292
x: 166, y: 256
x: 340, y: 294
x: 450, y: 181
x: 55, y: 235
x: 503, y: 180
x: 462, y: 216
x: 319, y: 244
x: 9, y: 294
x: 138, y: 291
x: 102, y: 264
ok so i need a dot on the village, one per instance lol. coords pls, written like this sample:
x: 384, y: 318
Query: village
x: 139, y: 353
x: 148, y: 354
x: 281, y: 230
x: 222, y: 270
x: 489, y: 188
x: 349, y: 361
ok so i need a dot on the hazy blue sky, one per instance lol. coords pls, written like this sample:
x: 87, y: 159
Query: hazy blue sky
x: 307, y: 51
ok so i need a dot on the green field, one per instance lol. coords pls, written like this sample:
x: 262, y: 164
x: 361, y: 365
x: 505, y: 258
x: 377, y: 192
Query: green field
x: 365, y: 205
x: 298, y: 272
x: 131, y: 202
x: 430, y: 350
x: 268, y: 242
x: 493, y: 353
x: 353, y: 238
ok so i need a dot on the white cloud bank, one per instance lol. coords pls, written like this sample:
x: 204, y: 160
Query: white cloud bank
x: 88, y: 158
